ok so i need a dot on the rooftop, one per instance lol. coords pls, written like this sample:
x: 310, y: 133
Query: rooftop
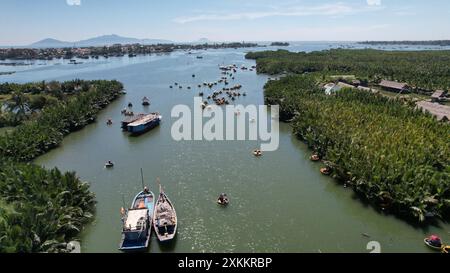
x: 436, y: 109
x: 438, y: 94
x: 393, y: 84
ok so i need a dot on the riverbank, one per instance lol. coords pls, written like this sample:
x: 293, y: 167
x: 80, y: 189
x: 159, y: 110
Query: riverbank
x: 44, y: 209
x: 388, y: 151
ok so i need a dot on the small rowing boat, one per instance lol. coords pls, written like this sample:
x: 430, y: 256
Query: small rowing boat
x: 145, y: 101
x: 257, y: 153
x: 109, y: 164
x: 433, y: 242
x: 325, y: 171
x: 164, y: 218
x: 223, y: 200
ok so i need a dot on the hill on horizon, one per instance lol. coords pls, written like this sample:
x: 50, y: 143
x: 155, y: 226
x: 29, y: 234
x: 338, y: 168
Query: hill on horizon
x: 103, y: 40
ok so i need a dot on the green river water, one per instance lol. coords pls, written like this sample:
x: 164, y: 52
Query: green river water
x: 279, y: 202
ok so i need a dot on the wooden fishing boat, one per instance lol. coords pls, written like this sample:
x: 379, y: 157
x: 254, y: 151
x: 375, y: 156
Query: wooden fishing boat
x: 428, y: 243
x: 136, y: 228
x: 164, y: 218
x: 314, y: 157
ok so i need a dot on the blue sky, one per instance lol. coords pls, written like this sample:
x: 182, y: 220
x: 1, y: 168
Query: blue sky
x: 24, y: 21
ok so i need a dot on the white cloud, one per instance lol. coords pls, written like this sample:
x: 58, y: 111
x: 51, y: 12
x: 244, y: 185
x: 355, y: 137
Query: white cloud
x: 320, y: 10
x: 374, y: 2
x: 73, y: 2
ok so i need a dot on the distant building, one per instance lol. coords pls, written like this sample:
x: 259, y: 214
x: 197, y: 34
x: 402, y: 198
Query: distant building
x: 438, y: 96
x: 394, y: 86
x: 442, y: 112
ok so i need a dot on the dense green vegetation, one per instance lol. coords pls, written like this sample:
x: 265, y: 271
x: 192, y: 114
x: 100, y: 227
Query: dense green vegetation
x: 21, y: 102
x: 40, y: 210
x: 391, y: 153
x: 279, y: 44
x: 427, y: 70
x: 38, y: 135
x: 422, y: 43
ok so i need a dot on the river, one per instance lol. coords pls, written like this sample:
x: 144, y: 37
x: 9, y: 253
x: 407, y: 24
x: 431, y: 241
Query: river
x: 279, y: 202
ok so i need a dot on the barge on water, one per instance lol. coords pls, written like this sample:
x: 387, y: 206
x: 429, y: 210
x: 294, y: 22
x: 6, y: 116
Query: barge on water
x: 144, y: 124
x: 129, y: 120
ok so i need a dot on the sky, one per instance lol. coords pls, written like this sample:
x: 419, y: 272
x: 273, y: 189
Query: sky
x: 23, y: 22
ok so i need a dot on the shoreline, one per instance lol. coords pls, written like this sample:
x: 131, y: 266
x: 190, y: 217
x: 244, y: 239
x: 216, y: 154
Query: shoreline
x: 119, y: 50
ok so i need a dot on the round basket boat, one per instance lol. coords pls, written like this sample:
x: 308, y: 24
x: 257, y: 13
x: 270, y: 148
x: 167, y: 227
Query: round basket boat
x: 109, y: 165
x: 325, y: 171
x: 426, y: 241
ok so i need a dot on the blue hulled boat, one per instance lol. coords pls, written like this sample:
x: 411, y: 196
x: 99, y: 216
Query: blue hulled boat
x: 137, y: 223
x: 144, y: 124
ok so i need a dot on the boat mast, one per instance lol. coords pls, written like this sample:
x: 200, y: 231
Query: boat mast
x: 159, y: 184
x: 142, y: 179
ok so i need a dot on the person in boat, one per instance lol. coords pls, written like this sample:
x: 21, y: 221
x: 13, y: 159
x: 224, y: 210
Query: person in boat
x: 146, y: 190
x: 257, y: 153
x: 223, y: 199
x: 434, y: 240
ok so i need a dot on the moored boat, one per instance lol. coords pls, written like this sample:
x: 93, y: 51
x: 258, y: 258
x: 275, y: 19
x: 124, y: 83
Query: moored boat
x: 164, y: 218
x: 137, y: 221
x: 325, y: 171
x: 145, y: 101
x: 129, y: 120
x: 144, y: 124
x: 433, y: 242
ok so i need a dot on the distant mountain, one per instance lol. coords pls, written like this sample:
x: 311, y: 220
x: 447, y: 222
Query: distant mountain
x: 97, y: 41
x: 203, y: 41
x: 51, y: 43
